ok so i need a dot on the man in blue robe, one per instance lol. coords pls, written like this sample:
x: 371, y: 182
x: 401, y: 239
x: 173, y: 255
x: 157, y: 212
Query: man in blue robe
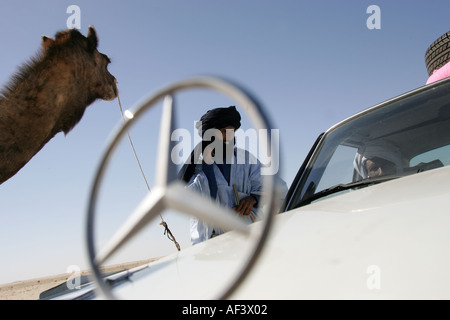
x: 218, y: 169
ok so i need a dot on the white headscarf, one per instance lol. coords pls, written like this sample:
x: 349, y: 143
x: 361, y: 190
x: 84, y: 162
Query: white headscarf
x: 382, y: 149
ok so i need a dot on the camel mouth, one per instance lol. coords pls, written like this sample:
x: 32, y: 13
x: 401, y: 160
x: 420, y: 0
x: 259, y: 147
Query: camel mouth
x: 112, y: 93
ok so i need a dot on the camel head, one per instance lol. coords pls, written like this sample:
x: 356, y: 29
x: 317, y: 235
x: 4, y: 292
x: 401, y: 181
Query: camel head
x: 50, y: 94
x: 89, y: 63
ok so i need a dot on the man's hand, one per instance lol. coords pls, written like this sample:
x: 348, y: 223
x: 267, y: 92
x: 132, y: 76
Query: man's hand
x: 245, y: 205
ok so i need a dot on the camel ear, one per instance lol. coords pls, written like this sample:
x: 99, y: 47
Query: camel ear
x: 47, y: 42
x: 92, y: 39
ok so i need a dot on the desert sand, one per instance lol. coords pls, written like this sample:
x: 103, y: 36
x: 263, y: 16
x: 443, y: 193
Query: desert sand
x: 31, y: 289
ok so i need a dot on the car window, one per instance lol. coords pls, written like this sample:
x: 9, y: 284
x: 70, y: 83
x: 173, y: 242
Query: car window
x: 406, y: 135
x: 338, y: 170
x: 442, y: 154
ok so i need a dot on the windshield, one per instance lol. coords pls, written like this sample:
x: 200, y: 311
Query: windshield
x: 406, y: 135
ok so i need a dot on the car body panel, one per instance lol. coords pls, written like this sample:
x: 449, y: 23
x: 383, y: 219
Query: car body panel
x: 331, y: 249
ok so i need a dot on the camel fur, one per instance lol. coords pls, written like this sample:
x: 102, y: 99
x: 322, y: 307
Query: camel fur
x: 49, y: 94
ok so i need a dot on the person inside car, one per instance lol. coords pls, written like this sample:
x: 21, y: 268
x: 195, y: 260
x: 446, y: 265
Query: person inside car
x: 378, y: 159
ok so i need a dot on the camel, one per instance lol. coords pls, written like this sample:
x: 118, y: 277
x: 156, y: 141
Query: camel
x: 49, y: 94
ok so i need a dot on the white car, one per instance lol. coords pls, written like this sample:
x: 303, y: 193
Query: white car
x: 366, y: 217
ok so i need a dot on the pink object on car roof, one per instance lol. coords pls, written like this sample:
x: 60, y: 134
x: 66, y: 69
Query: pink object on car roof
x: 440, y: 73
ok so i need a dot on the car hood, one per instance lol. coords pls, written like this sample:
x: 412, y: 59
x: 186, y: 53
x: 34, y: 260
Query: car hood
x: 386, y: 241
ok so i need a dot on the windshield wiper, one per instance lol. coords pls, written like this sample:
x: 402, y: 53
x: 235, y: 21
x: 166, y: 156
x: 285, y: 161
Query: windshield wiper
x: 343, y: 187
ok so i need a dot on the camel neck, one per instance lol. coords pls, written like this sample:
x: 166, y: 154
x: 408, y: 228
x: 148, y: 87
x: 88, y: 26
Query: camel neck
x: 43, y: 100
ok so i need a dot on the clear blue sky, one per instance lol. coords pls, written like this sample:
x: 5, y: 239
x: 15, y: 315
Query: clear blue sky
x: 311, y: 63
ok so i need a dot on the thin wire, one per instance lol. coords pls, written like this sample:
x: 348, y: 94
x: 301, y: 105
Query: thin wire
x: 134, y: 150
x: 163, y: 223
